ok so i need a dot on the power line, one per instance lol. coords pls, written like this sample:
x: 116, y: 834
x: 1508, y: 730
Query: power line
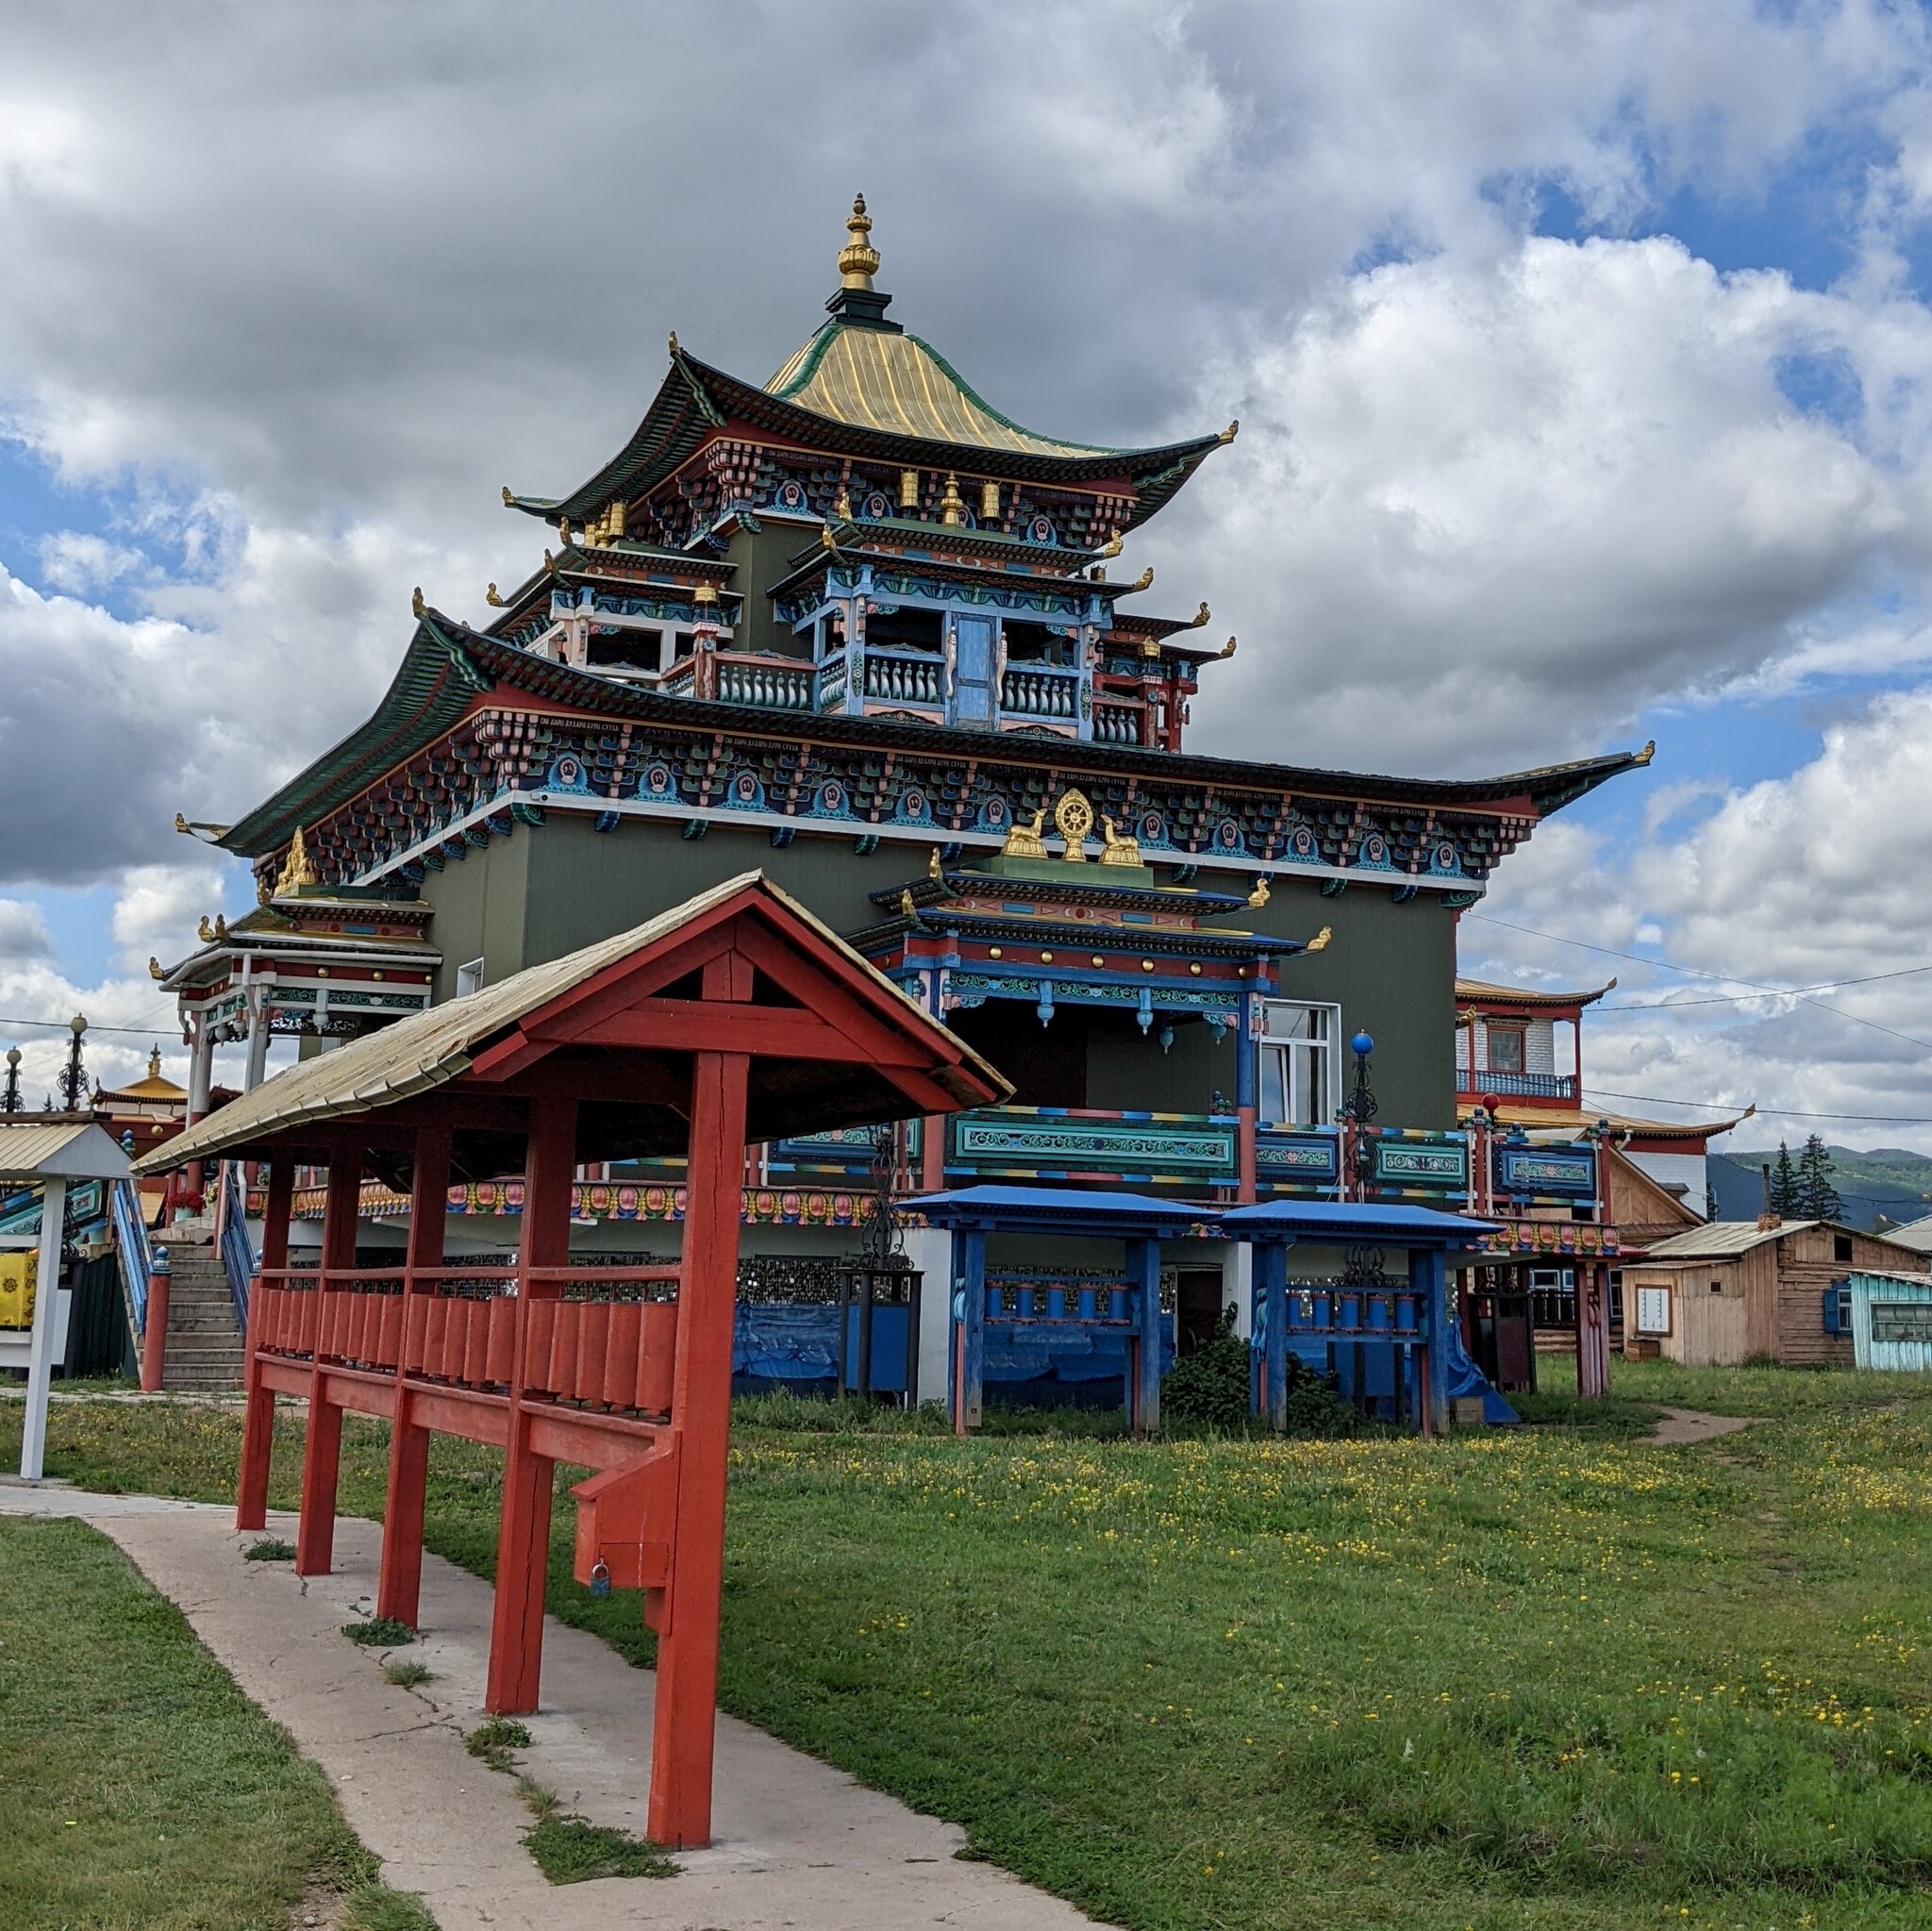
x: 1780, y: 991
x: 1604, y: 1092
x: 61, y: 1025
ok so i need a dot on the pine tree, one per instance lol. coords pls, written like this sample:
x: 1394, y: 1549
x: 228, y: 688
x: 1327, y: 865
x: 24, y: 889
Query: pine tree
x: 1784, y: 1183
x: 1817, y: 1198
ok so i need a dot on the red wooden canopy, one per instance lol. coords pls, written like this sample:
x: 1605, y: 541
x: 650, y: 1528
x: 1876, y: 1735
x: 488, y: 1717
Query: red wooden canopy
x: 738, y: 1016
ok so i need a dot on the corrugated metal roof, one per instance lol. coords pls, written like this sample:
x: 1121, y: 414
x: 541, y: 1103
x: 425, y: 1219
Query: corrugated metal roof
x: 1917, y: 1235
x: 1723, y: 1239
x: 432, y: 1047
x: 59, y: 1150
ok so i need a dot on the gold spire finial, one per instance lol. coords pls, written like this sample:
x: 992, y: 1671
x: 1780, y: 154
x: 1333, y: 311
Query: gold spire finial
x: 154, y: 968
x: 1259, y: 897
x: 205, y: 932
x: 490, y: 597
x: 671, y: 342
x: 1648, y: 752
x: 1073, y: 818
x: 1233, y: 429
x: 1228, y: 648
x: 841, y: 509
x: 154, y: 1062
x: 508, y: 498
x: 906, y: 909
x: 416, y: 604
x: 1199, y: 618
x: 933, y: 869
x: 953, y: 505
x: 180, y: 821
x: 858, y: 260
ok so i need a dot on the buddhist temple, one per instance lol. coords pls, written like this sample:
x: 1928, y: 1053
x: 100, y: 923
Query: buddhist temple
x: 854, y: 628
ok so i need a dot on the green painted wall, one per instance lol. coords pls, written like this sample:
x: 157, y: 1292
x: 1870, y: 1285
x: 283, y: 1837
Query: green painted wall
x: 1392, y: 969
x: 481, y: 911
x: 547, y: 889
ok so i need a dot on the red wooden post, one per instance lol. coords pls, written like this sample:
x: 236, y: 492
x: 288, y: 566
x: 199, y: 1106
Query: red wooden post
x: 522, y: 1543
x: 399, y: 1584
x: 932, y: 1152
x: 259, y: 1424
x: 154, y: 1334
x: 315, y: 1538
x: 686, y: 1717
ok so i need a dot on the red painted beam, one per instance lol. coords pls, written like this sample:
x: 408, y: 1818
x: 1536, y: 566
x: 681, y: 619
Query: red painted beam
x: 775, y: 1032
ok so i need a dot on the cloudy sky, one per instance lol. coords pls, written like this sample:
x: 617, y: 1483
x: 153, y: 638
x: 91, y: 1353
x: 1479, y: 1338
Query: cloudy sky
x: 1581, y: 353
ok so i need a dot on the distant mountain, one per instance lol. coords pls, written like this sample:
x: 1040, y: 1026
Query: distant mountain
x: 1887, y: 1181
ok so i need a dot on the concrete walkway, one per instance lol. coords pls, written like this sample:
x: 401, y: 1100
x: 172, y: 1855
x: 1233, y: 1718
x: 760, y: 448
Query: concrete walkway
x: 798, y: 1844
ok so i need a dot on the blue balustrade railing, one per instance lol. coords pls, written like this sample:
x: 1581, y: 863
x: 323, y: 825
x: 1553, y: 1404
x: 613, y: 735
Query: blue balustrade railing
x: 136, y: 1258
x: 237, y: 1257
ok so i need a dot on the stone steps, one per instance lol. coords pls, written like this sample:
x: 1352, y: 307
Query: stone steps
x: 205, y: 1345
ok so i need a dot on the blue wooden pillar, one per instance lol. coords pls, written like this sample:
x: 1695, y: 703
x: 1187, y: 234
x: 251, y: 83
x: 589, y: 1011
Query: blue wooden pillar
x: 1270, y: 1290
x: 1428, y: 1280
x: 969, y: 1326
x: 1246, y: 1092
x: 1144, y: 1277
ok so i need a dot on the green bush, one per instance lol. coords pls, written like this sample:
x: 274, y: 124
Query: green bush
x: 1209, y: 1388
x: 379, y: 1632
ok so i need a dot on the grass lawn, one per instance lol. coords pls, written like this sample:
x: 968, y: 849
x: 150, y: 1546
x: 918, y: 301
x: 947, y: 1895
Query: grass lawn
x: 1559, y: 1676
x: 141, y: 1787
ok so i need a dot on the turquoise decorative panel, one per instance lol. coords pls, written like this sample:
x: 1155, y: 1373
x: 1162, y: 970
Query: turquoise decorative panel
x: 1556, y: 1173
x: 1440, y: 1165
x: 1044, y: 1140
x: 1285, y: 1158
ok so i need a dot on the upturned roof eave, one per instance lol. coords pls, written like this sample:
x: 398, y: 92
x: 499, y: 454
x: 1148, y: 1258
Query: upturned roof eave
x: 449, y: 666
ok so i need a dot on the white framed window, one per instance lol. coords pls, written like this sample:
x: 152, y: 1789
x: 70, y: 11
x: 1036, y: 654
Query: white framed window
x: 1300, y: 1076
x: 468, y: 979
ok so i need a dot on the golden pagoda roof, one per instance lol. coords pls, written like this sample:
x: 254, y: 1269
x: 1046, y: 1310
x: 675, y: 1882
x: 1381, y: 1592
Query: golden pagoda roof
x: 876, y: 378
x: 1575, y: 1120
x: 153, y: 1086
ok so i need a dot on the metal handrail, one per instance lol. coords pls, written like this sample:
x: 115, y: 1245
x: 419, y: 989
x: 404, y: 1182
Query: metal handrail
x: 131, y: 1249
x: 237, y: 1257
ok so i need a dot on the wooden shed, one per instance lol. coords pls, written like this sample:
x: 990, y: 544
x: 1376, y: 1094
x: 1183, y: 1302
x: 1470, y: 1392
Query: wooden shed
x: 1745, y: 1291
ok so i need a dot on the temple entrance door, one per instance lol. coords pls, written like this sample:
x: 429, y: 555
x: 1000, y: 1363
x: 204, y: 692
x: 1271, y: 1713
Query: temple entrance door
x: 972, y: 669
x: 1196, y: 1308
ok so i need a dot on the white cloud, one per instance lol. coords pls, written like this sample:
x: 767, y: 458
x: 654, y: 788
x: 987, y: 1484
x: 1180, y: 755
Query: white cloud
x: 1811, y: 880
x: 1535, y: 495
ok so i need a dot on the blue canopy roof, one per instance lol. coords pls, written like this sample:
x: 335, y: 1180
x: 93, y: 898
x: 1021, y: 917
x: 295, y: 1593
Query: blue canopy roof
x: 1349, y: 1222
x: 1143, y: 1216
x: 1065, y: 1211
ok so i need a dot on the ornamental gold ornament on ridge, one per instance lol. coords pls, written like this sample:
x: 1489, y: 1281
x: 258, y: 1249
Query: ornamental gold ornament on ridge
x: 1073, y: 818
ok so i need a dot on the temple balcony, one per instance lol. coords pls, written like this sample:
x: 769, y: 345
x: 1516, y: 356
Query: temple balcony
x: 1190, y: 1156
x: 1516, y: 1086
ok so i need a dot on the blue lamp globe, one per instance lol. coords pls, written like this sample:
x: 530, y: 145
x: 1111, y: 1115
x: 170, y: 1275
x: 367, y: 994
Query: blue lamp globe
x: 1361, y: 1046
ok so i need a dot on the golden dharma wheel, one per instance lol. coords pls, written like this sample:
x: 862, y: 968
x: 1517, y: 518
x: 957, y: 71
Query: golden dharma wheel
x: 1074, y: 816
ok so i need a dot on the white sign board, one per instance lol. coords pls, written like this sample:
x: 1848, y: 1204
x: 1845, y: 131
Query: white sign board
x: 1652, y: 1311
